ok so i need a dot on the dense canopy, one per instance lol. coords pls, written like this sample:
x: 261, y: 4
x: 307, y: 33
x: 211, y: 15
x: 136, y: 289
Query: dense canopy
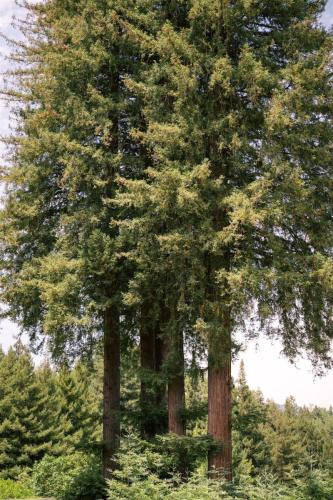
x: 170, y: 178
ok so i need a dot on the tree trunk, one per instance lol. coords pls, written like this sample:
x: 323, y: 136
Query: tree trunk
x: 219, y: 406
x: 152, y: 396
x: 176, y: 387
x: 111, y: 390
x: 147, y: 353
x: 160, y: 395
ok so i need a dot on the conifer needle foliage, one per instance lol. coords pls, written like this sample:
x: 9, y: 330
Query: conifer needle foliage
x: 176, y: 154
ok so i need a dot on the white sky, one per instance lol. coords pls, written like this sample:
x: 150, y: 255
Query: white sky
x: 266, y: 369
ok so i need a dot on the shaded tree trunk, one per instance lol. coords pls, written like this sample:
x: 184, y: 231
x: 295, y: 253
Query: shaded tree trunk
x: 219, y: 405
x: 111, y: 386
x: 160, y: 395
x: 152, y: 396
x: 147, y: 355
x: 111, y: 390
x: 176, y: 387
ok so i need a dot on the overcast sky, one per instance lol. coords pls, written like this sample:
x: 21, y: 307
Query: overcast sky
x: 266, y: 369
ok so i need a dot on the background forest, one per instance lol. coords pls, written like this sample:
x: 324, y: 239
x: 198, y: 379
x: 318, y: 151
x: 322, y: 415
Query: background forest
x: 168, y: 194
x: 51, y: 437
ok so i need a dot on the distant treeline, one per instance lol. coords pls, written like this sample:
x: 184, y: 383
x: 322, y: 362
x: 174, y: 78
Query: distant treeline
x: 57, y: 413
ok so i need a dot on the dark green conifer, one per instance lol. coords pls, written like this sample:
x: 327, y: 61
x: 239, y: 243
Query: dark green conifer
x: 28, y: 428
x: 78, y: 412
x: 251, y: 452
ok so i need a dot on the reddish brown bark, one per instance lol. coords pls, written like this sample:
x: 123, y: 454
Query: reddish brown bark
x: 111, y: 390
x: 147, y: 355
x: 152, y: 397
x: 156, y: 347
x: 219, y: 408
x: 111, y: 382
x: 176, y: 388
x: 160, y: 395
x: 176, y: 405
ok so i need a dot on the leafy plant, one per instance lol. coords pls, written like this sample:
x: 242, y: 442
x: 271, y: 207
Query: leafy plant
x: 13, y: 489
x: 71, y: 477
x: 319, y: 486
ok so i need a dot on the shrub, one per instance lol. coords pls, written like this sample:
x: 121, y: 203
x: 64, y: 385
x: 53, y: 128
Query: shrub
x: 182, y: 453
x: 266, y: 487
x: 319, y: 486
x: 163, y: 455
x: 71, y: 477
x: 13, y: 489
x: 147, y: 474
x: 153, y: 488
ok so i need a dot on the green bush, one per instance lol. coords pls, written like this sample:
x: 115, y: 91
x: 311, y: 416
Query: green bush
x: 265, y: 487
x: 182, y: 453
x: 71, y: 477
x: 198, y: 487
x: 319, y: 486
x: 145, y: 473
x: 164, y: 455
x: 153, y: 488
x: 13, y: 489
x: 148, y: 474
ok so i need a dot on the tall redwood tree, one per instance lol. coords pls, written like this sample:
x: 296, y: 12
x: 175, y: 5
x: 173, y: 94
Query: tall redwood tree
x: 235, y: 209
x: 61, y: 277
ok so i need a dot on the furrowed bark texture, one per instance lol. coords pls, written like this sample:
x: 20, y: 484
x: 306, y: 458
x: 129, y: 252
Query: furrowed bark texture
x: 111, y: 390
x: 152, y: 397
x: 147, y: 352
x: 111, y: 386
x: 176, y: 388
x: 219, y: 407
x: 160, y: 395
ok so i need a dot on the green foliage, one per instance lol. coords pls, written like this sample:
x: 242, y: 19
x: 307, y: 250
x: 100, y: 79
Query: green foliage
x: 44, y: 412
x: 177, y: 153
x: 197, y: 488
x: 59, y: 273
x: 141, y: 476
x: 162, y: 456
x: 266, y: 486
x: 28, y: 418
x: 315, y: 486
x: 238, y: 133
x: 279, y: 452
x: 251, y: 451
x: 14, y: 489
x: 146, y: 473
x: 71, y: 477
x: 190, y: 142
x: 183, y: 453
x: 288, y: 441
x: 287, y: 447
x: 78, y: 408
x: 319, y: 486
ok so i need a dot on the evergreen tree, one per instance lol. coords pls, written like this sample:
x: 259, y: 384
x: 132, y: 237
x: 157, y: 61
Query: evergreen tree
x: 249, y: 419
x: 315, y: 429
x: 287, y: 450
x: 61, y: 274
x: 28, y: 428
x: 77, y: 411
x: 217, y: 116
x: 298, y: 440
x: 234, y: 214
